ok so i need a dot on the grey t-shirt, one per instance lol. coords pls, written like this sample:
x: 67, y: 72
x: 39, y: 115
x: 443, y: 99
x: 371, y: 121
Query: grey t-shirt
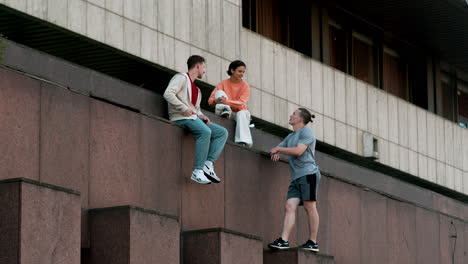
x: 304, y: 164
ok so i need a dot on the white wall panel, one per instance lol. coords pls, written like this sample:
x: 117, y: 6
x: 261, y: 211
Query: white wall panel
x: 183, y: 23
x: 361, y: 97
x: 317, y: 86
x: 340, y: 96
x: 95, y: 16
x: 422, y: 130
x: 328, y: 91
x: 214, y: 21
x: 267, y: 66
x: 351, y: 101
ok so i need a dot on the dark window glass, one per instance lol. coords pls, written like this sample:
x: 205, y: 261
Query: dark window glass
x: 281, y: 21
x: 394, y: 74
x: 337, y: 42
x: 249, y: 14
x: 462, y: 100
x: 448, y: 105
x: 363, y: 59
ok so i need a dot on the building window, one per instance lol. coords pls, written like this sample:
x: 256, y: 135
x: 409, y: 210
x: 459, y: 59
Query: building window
x: 395, y: 72
x: 249, y: 14
x: 448, y: 104
x: 337, y: 40
x: 462, y: 102
x: 281, y: 21
x: 363, y: 58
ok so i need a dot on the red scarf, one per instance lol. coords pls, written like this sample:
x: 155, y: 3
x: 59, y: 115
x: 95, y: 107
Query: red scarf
x: 194, y: 91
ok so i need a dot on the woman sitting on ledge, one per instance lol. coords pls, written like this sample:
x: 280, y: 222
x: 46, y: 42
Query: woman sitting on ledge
x: 230, y: 97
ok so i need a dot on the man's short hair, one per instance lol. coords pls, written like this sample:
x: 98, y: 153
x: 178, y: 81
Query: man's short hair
x: 194, y: 60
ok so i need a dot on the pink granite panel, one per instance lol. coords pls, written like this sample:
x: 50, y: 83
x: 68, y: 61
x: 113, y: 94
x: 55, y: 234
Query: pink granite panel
x: 50, y: 226
x: 274, y: 181
x: 238, y: 249
x: 451, y: 240
x: 305, y: 257
x: 401, y: 232
x: 296, y: 256
x: 243, y: 185
x: 280, y: 257
x: 19, y: 132
x: 201, y: 248
x: 110, y: 236
x: 427, y: 236
x: 374, y: 232
x: 9, y: 222
x: 133, y: 235
x: 202, y: 205
x: 115, y: 159
x: 161, y: 158
x: 464, y: 233
x: 65, y: 139
x: 153, y: 239
x: 344, y: 202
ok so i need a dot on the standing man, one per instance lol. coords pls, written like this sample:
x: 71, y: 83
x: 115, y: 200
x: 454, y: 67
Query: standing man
x: 300, y: 147
x: 183, y: 99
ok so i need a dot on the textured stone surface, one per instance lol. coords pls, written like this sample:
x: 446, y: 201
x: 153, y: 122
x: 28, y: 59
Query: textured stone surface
x: 10, y: 222
x: 64, y: 139
x: 133, y: 235
x: 39, y: 224
x: 115, y: 162
x: 345, y: 224
x: 242, y: 190
x: 161, y: 151
x: 296, y: 256
x: 202, y: 205
x: 19, y: 132
x: 214, y: 246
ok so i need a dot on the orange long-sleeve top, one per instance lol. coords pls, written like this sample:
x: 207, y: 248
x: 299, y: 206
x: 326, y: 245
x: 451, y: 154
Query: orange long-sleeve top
x: 238, y: 94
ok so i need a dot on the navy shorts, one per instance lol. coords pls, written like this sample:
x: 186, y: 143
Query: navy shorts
x: 305, y: 188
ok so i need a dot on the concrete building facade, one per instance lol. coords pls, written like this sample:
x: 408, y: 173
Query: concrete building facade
x: 166, y: 32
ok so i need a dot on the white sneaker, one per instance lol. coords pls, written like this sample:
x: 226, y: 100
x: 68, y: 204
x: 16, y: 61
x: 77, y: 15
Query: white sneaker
x: 210, y: 174
x: 225, y: 113
x: 199, y: 177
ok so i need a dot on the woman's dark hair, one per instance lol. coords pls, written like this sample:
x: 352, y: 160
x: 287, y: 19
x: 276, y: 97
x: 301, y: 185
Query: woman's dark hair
x: 306, y: 116
x: 194, y: 60
x: 234, y: 65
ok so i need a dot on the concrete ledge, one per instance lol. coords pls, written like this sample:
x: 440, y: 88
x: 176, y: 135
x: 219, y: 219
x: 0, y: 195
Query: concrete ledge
x: 40, y: 184
x: 220, y: 246
x: 128, y: 234
x: 296, y: 256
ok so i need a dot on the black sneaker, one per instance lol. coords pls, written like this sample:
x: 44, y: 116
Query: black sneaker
x: 279, y: 244
x: 310, y: 245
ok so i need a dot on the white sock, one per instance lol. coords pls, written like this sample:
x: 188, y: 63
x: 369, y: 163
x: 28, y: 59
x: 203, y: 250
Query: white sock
x: 209, y: 163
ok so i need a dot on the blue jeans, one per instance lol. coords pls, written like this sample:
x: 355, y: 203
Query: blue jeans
x: 209, y: 140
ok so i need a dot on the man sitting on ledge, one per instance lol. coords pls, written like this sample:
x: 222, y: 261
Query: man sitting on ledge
x: 183, y: 99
